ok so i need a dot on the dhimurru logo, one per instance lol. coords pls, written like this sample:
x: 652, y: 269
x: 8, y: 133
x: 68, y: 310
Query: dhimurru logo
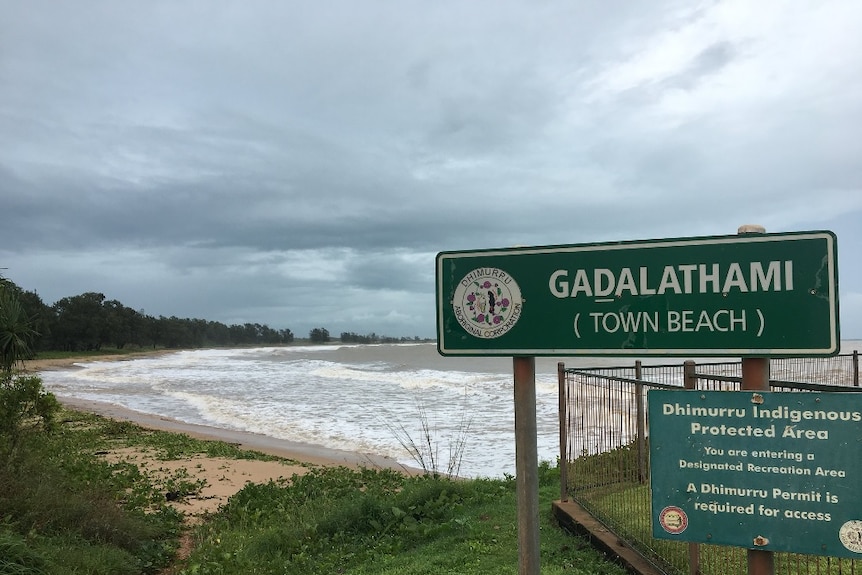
x: 850, y: 535
x: 487, y: 302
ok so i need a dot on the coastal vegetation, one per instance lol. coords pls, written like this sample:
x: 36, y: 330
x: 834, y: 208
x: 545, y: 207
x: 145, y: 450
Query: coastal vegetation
x: 91, y: 322
x: 319, y: 335
x: 63, y: 509
x: 23, y: 403
x: 352, y: 337
x: 381, y: 522
x: 67, y: 508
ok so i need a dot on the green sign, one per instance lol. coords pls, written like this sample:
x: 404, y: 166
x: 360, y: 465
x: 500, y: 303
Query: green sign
x: 742, y: 295
x: 778, y: 471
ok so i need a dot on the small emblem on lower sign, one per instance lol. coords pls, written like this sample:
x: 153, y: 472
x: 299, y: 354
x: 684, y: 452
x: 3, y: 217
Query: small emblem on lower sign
x: 673, y: 519
x: 850, y: 535
x: 487, y: 303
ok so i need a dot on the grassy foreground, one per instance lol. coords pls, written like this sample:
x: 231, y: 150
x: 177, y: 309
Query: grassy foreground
x: 65, y: 509
x: 379, y: 522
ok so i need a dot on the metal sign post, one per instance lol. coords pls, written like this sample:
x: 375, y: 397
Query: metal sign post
x: 755, y: 377
x: 526, y: 465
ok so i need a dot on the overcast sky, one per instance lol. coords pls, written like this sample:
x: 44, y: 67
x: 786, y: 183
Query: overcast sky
x: 300, y: 164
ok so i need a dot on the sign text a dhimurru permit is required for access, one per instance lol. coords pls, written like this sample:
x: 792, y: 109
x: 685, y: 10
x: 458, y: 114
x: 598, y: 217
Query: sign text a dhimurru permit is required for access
x: 741, y: 295
x: 778, y: 471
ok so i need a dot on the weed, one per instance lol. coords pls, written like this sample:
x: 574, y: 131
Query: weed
x: 425, y: 450
x: 16, y: 556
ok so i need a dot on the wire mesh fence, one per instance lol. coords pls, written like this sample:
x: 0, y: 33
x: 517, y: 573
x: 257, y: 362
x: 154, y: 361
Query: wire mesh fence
x: 604, y: 445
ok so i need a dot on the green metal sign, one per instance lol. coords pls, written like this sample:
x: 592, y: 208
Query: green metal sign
x: 741, y: 295
x: 778, y: 471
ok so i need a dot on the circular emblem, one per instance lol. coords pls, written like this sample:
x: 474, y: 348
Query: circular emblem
x: 850, y: 535
x: 673, y: 519
x: 487, y: 303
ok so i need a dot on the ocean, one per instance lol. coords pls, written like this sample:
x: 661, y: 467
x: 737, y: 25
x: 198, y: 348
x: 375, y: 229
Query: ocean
x: 367, y: 399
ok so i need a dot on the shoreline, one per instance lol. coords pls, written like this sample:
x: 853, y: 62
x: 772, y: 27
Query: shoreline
x: 54, y: 364
x: 308, y: 453
x: 286, y: 449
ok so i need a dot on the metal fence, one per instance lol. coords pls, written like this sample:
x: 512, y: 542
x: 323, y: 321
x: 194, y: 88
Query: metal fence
x: 603, y: 442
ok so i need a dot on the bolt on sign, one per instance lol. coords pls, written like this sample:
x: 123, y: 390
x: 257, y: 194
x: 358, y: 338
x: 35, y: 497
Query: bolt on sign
x: 777, y: 471
x: 742, y: 295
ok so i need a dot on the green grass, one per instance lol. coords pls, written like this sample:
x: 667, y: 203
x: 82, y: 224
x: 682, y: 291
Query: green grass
x: 379, y: 522
x: 64, y: 509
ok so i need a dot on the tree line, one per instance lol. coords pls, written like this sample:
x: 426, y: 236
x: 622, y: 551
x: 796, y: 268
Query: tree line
x: 321, y: 335
x: 351, y: 337
x: 90, y: 321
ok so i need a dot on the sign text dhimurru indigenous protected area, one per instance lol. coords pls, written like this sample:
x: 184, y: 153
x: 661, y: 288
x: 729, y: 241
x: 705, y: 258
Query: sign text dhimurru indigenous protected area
x: 747, y: 295
x: 777, y: 471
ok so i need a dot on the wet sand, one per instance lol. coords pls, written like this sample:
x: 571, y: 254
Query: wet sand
x: 69, y: 362
x: 223, y: 477
x: 303, y: 452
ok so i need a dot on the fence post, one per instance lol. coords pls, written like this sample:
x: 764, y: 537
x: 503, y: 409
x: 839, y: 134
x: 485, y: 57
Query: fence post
x: 694, y: 559
x: 641, y: 422
x: 755, y: 377
x: 564, y: 432
x: 856, y: 368
x: 689, y: 380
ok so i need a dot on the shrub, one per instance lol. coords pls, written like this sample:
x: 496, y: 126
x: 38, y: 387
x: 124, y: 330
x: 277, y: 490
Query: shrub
x: 24, y: 405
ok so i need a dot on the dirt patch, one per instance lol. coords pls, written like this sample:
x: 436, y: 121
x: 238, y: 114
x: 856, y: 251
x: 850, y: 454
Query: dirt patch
x: 199, y: 485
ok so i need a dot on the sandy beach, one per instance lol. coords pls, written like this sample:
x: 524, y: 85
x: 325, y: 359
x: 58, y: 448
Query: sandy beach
x: 69, y: 362
x: 222, y: 477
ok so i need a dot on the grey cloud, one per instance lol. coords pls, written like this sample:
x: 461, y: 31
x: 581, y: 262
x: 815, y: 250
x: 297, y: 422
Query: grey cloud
x: 239, y: 153
x: 397, y: 271
x: 708, y: 61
